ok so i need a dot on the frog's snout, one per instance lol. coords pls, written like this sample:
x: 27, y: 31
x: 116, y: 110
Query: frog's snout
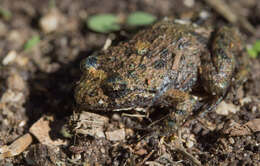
x: 88, y: 91
x: 97, y: 89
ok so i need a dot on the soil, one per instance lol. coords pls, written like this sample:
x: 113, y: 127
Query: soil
x: 40, y: 82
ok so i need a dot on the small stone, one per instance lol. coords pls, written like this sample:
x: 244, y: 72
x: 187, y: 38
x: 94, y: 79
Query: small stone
x: 245, y: 100
x: 204, y: 14
x: 116, y: 117
x: 9, y: 58
x: 17, y: 38
x: 129, y: 132
x: 103, y: 150
x: 51, y: 21
x: 188, y: 3
x: 12, y: 97
x: 231, y: 140
x: 16, y: 82
x: 225, y: 108
x: 189, y: 144
x: 116, y: 135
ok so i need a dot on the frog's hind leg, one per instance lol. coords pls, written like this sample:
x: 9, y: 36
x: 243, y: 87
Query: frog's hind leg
x: 218, y: 68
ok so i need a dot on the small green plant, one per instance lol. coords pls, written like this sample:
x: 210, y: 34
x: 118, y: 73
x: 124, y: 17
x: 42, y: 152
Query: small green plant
x: 6, y: 14
x: 140, y: 19
x: 65, y: 132
x: 254, y: 51
x: 105, y: 23
x: 31, y: 43
x: 52, y: 3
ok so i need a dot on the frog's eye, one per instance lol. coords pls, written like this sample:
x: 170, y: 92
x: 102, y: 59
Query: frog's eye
x: 114, y: 86
x: 88, y: 62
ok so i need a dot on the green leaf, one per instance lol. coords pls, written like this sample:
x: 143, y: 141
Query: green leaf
x: 103, y: 23
x: 254, y: 50
x: 6, y: 14
x: 65, y: 132
x: 252, y: 53
x: 140, y: 19
x: 256, y: 46
x: 52, y: 3
x: 31, y: 43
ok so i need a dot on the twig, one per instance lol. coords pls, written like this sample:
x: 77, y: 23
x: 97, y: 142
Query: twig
x: 223, y: 9
x: 134, y: 115
x: 145, y: 159
x: 153, y: 163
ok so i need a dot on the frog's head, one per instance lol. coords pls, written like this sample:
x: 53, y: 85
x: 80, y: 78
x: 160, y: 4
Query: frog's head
x: 99, y: 89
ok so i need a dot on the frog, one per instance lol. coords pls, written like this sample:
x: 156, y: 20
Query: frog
x: 170, y: 64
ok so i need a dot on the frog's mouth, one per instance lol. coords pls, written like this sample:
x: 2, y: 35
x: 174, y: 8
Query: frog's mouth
x: 112, y: 104
x: 100, y: 90
x: 113, y: 107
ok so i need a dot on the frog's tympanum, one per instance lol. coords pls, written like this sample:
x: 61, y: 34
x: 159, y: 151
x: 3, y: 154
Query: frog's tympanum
x: 162, y: 66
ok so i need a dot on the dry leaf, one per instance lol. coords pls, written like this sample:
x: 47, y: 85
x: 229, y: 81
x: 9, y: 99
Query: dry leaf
x: 17, y: 147
x: 236, y: 129
x: 41, y: 130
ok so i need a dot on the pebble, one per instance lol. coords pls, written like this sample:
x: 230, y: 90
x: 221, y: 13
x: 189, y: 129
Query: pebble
x: 226, y: 108
x: 51, y: 21
x: 188, y: 3
x: 16, y: 82
x: 189, y: 144
x: 9, y: 58
x: 116, y: 135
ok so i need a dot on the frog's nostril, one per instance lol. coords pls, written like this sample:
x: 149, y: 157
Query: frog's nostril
x: 90, y: 61
x: 114, y: 86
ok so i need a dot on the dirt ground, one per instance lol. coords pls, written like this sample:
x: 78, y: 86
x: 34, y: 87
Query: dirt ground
x: 40, y: 82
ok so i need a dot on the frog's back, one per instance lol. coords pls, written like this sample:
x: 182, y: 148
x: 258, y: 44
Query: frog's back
x: 166, y: 55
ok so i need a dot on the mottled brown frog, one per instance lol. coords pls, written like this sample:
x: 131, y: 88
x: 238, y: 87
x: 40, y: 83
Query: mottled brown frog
x: 165, y: 65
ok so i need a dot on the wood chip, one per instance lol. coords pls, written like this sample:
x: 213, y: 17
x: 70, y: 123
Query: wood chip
x: 116, y: 135
x: 91, y: 124
x: 235, y: 129
x: 17, y: 147
x: 41, y: 130
x: 253, y: 125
